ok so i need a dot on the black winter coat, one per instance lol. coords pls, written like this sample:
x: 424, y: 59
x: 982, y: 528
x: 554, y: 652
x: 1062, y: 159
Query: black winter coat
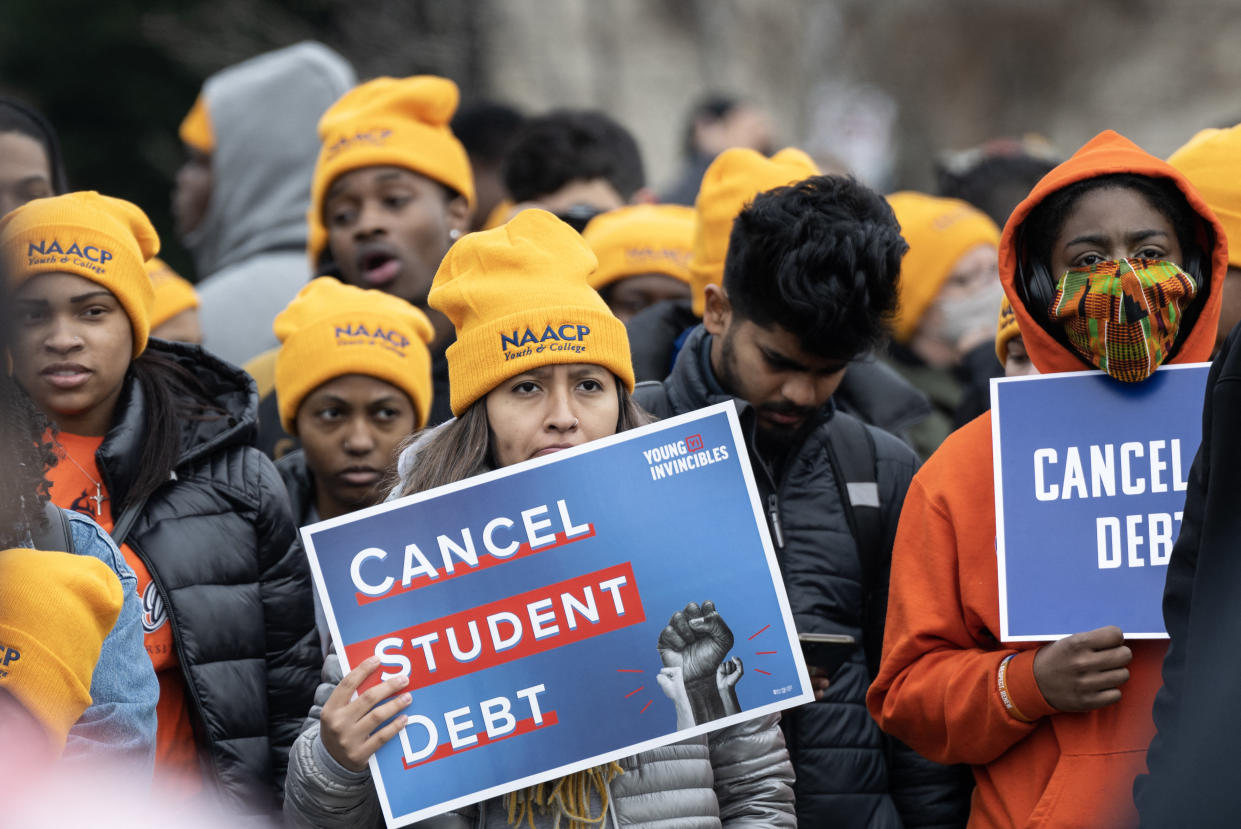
x: 849, y: 774
x: 1192, y: 759
x: 216, y: 539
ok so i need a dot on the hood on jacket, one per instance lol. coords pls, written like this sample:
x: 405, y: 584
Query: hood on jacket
x: 1106, y: 154
x: 229, y: 389
x: 264, y: 114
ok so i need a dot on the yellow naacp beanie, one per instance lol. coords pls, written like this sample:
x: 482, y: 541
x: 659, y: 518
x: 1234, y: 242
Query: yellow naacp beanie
x: 173, y: 294
x: 641, y: 239
x: 939, y: 232
x: 399, y: 122
x: 55, y: 611
x: 100, y: 238
x: 195, y: 130
x: 734, y: 178
x: 1005, y: 330
x: 331, y: 329
x: 1212, y: 163
x: 520, y: 298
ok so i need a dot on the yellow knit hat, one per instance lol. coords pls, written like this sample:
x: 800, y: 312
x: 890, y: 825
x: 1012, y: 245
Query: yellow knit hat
x: 641, y: 239
x: 401, y: 122
x: 100, y: 238
x: 939, y: 232
x: 173, y: 294
x: 1212, y: 163
x: 1005, y: 330
x: 330, y: 330
x: 520, y: 298
x: 55, y: 611
x: 729, y: 184
x: 195, y: 129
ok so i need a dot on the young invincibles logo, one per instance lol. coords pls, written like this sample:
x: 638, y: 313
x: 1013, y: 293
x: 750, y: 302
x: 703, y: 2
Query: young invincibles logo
x: 682, y: 456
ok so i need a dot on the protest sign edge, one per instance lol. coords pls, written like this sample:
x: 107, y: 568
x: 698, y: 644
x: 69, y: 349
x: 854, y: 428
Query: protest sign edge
x: 998, y: 479
x: 997, y: 476
x: 805, y: 694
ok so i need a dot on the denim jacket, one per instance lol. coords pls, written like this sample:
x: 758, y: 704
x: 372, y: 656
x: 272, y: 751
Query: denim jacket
x: 120, y: 722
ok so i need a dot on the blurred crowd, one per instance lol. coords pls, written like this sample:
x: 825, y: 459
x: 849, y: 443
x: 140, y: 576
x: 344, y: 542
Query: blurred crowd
x: 372, y: 262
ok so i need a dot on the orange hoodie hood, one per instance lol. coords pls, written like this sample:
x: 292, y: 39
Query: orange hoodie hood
x: 1105, y: 154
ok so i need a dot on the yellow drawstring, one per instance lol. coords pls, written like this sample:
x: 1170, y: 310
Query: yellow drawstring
x: 569, y: 798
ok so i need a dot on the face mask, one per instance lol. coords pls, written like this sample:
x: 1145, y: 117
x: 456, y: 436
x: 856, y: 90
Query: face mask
x: 1123, y: 316
x: 974, y: 312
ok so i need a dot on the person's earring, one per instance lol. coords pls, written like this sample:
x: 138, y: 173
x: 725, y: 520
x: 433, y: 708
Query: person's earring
x: 454, y: 234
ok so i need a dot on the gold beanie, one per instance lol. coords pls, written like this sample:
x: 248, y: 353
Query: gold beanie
x: 331, y: 329
x: 641, y: 239
x: 1212, y: 163
x: 939, y: 232
x: 173, y: 294
x: 195, y: 130
x: 55, y: 611
x: 520, y: 298
x: 99, y: 238
x: 1005, y: 330
x: 398, y: 122
x: 729, y: 184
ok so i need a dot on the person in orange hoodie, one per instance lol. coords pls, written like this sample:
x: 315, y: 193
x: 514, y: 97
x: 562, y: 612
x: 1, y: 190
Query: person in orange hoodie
x: 1056, y: 732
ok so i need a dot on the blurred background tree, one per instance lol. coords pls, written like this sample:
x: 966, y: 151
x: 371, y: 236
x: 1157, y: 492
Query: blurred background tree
x: 883, y: 86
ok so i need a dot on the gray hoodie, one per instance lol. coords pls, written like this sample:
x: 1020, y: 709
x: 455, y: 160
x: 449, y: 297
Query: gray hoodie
x: 250, y: 250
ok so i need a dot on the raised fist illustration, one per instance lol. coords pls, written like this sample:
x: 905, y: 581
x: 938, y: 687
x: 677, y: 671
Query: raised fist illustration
x: 696, y: 640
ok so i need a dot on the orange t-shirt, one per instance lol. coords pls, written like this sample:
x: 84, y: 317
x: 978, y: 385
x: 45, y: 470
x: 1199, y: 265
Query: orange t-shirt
x: 176, y: 752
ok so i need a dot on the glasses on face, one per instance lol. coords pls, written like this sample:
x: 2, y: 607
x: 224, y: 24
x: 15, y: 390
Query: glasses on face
x: 578, y: 216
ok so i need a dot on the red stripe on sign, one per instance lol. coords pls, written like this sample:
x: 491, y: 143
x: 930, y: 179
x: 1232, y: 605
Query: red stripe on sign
x: 485, y: 561
x: 523, y: 727
x: 503, y: 631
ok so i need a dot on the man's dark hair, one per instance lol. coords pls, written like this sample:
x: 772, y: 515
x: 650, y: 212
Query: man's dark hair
x: 568, y: 145
x: 710, y: 108
x: 486, y: 129
x: 16, y: 116
x: 821, y: 259
x: 995, y: 184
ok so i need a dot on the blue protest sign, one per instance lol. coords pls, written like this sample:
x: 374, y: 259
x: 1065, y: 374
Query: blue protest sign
x: 535, y: 609
x: 1090, y: 479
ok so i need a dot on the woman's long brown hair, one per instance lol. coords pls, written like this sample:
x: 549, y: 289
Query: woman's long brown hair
x: 462, y: 448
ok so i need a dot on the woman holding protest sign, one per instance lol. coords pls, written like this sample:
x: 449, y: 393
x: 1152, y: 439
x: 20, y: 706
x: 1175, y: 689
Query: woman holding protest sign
x: 1112, y: 262
x: 519, y: 393
x: 154, y: 442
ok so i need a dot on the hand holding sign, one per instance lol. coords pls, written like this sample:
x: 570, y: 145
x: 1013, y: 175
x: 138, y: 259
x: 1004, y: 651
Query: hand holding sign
x: 1084, y: 671
x: 347, y: 726
x: 696, y: 640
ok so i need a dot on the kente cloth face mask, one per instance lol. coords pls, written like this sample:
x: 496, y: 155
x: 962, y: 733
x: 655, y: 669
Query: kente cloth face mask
x: 1123, y: 316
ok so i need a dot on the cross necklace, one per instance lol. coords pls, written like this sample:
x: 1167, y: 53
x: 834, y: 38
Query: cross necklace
x: 98, y: 497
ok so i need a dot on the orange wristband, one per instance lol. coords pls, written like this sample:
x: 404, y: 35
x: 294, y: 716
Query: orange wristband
x: 1002, y: 681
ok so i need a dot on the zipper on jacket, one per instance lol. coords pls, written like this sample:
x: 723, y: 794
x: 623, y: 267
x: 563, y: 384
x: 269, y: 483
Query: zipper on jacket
x: 773, y: 512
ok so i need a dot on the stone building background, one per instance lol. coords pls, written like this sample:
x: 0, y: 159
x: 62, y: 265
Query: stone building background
x: 883, y: 84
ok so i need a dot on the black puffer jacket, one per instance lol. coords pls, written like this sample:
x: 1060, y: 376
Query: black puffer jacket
x: 300, y: 485
x: 849, y: 774
x: 872, y: 391
x: 216, y: 540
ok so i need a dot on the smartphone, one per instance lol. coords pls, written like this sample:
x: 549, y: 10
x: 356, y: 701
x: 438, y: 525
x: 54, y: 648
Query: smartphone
x: 826, y: 650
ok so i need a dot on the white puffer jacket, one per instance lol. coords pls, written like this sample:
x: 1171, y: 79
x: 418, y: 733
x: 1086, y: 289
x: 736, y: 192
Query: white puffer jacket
x: 736, y: 777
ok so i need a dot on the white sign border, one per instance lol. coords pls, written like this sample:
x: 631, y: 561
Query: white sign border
x: 998, y: 476
x: 806, y: 694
